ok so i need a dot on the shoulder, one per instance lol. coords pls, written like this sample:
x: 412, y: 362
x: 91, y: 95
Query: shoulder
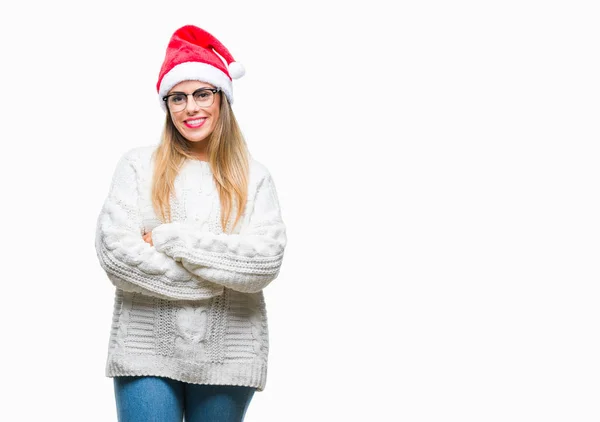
x: 140, y: 154
x: 258, y: 170
x: 132, y: 162
x: 137, y: 159
x: 261, y: 179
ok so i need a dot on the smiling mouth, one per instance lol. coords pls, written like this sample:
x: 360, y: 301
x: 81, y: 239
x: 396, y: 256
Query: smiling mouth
x: 195, y: 123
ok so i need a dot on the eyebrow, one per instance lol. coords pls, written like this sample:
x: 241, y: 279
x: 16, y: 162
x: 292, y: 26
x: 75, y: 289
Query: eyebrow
x: 181, y: 92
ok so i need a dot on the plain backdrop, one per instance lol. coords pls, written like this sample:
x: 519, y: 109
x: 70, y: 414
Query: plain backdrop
x: 437, y: 168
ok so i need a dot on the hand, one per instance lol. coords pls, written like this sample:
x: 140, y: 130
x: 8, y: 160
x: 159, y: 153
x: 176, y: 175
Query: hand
x: 148, y: 238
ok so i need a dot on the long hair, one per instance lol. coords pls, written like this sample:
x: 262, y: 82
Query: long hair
x: 228, y: 158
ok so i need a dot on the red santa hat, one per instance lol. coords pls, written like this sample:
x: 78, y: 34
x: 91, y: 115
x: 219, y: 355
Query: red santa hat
x: 195, y: 55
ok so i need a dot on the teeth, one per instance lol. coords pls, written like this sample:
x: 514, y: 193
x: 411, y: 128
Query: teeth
x: 197, y: 121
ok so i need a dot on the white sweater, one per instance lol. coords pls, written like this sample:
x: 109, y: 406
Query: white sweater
x: 191, y: 307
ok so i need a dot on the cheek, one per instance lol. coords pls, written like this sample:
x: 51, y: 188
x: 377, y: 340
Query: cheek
x: 175, y: 121
x: 216, y: 108
x: 179, y: 125
x: 216, y: 115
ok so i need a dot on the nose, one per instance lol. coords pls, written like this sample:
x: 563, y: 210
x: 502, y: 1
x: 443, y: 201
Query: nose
x: 191, y: 105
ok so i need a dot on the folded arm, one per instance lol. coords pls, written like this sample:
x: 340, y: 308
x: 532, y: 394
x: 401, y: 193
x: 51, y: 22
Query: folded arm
x: 246, y: 262
x: 132, y: 264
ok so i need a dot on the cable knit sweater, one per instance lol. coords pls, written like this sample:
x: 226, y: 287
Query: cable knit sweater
x: 191, y: 306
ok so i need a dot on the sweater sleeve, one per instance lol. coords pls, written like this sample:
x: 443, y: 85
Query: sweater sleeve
x: 246, y: 262
x: 131, y: 263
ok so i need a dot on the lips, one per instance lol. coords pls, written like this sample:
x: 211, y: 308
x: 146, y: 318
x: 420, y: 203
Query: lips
x: 195, y: 123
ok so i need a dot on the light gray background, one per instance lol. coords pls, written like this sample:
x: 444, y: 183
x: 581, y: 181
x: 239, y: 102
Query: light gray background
x: 437, y: 167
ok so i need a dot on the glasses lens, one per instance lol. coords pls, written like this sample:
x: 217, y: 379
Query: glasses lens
x: 177, y: 102
x: 204, y: 98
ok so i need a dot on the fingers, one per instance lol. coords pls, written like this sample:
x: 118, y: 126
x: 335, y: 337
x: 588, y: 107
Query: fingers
x: 148, y: 238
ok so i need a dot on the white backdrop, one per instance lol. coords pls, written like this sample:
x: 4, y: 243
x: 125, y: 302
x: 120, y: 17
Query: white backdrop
x: 437, y: 169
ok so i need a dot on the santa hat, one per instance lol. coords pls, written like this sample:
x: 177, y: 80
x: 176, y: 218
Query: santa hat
x: 192, y: 56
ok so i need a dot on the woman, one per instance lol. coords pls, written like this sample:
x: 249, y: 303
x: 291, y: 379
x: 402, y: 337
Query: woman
x: 190, y: 234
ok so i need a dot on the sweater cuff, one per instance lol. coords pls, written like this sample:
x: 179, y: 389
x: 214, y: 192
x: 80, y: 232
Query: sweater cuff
x: 163, y: 234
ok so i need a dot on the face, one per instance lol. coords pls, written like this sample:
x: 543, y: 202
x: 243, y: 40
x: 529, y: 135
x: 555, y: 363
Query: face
x: 195, y: 123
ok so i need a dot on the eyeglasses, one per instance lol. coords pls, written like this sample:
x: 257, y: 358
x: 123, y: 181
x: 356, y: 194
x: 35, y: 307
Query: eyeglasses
x: 204, y: 97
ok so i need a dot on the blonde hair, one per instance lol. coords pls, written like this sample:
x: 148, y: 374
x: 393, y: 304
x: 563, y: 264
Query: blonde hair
x: 228, y: 159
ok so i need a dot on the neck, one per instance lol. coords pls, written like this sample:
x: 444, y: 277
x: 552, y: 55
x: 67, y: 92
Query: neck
x: 199, y: 150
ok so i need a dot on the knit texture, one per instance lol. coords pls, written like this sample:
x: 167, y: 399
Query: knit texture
x: 190, y: 307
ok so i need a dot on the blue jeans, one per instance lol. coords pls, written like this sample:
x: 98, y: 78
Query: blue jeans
x: 160, y: 399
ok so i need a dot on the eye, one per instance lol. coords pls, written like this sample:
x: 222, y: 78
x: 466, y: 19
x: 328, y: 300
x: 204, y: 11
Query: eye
x: 177, y: 98
x: 202, y: 95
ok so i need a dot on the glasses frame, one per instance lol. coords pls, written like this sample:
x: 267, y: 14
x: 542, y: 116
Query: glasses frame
x: 213, y: 90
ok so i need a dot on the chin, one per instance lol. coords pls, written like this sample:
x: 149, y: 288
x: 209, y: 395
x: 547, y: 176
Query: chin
x: 197, y: 138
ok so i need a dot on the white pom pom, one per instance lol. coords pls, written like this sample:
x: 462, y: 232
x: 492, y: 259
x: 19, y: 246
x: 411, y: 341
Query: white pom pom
x: 236, y: 70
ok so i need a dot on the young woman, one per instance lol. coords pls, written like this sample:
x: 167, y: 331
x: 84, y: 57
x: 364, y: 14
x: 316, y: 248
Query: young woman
x: 190, y: 234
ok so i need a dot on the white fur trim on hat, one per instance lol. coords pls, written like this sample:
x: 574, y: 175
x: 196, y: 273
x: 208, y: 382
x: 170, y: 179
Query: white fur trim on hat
x: 236, y: 70
x: 195, y: 71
